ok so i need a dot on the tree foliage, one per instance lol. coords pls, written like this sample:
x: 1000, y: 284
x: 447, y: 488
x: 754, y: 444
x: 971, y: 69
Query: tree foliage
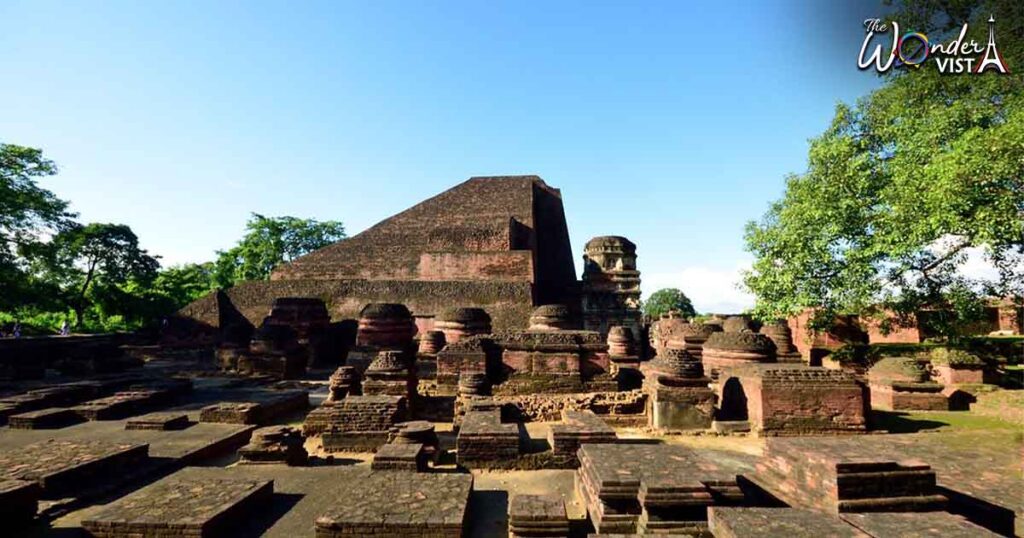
x: 27, y: 212
x: 93, y: 265
x: 270, y: 241
x: 904, y: 187
x: 668, y: 300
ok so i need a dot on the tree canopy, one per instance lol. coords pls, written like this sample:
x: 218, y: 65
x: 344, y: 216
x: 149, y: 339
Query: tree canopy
x: 268, y: 242
x: 905, y: 188
x: 51, y: 265
x: 668, y: 300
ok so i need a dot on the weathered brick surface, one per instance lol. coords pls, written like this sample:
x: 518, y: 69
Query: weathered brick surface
x: 800, y: 400
x: 400, y: 457
x: 576, y: 428
x: 44, y: 419
x: 19, y: 501
x: 908, y: 397
x: 267, y: 410
x: 788, y: 522
x: 176, y: 507
x: 357, y: 423
x: 158, y: 421
x: 920, y: 525
x: 400, y: 504
x: 537, y: 516
x: 483, y: 438
x: 63, y: 467
x: 653, y: 488
x: 807, y: 473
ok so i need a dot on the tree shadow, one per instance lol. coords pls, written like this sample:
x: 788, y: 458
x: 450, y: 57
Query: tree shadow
x: 901, y: 422
x: 488, y: 513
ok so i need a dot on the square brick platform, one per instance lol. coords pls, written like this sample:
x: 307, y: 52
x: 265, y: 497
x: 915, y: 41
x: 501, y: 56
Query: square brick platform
x: 62, y: 467
x: 399, y: 504
x: 182, y: 507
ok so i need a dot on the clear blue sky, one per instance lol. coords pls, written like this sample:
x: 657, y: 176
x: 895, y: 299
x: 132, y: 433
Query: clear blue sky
x: 672, y: 123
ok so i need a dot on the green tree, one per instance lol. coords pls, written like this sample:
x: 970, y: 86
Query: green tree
x: 96, y: 267
x: 270, y: 241
x: 182, y: 284
x: 27, y: 213
x: 666, y: 300
x: 903, y: 186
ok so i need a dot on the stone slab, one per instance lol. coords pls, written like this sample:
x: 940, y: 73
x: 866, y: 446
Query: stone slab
x: 158, y: 421
x: 62, y: 467
x: 789, y: 522
x: 916, y: 525
x: 44, y: 419
x: 400, y: 504
x: 179, y: 506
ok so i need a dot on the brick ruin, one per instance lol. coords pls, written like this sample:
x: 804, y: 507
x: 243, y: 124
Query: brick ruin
x: 446, y: 346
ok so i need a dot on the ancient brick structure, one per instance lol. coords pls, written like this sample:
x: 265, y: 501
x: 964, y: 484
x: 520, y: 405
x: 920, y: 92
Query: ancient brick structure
x: 28, y: 358
x: 679, y: 397
x: 44, y: 419
x: 576, y: 428
x: 484, y: 440
x: 553, y: 317
x: 473, y: 384
x: 458, y: 323
x: 631, y: 488
x: 400, y: 457
x: 734, y: 522
x: 382, y: 326
x: 275, y: 444
x: 324, y: 343
x: 181, y: 507
x: 468, y: 355
x: 431, y: 342
x: 275, y: 351
x: 64, y: 467
x: 788, y: 400
x: 417, y: 432
x: 537, y: 516
x: 782, y: 337
x: 553, y: 361
x: 403, y: 505
x: 269, y: 409
x: 622, y: 348
x: 738, y: 324
x: 390, y: 373
x: 611, y: 285
x: 839, y: 478
x: 902, y: 383
x: 343, y: 382
x: 499, y: 243
x: 158, y: 422
x: 357, y: 423
x: 385, y: 326
x: 724, y: 350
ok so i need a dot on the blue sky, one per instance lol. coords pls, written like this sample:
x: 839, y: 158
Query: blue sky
x: 672, y: 123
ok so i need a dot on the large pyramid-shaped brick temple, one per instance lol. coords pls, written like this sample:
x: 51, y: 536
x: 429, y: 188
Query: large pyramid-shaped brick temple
x: 495, y: 242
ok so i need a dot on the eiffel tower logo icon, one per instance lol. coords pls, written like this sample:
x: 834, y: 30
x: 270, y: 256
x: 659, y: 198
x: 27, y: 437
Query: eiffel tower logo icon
x: 992, y: 60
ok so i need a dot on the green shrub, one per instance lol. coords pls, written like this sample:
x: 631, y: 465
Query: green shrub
x: 953, y: 357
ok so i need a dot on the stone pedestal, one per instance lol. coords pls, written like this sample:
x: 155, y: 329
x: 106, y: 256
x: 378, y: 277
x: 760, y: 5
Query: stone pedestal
x: 903, y: 384
x: 390, y: 374
x: 781, y: 335
x: 679, y: 396
x: 343, y: 382
x: 275, y: 444
x: 724, y: 350
x: 459, y: 323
